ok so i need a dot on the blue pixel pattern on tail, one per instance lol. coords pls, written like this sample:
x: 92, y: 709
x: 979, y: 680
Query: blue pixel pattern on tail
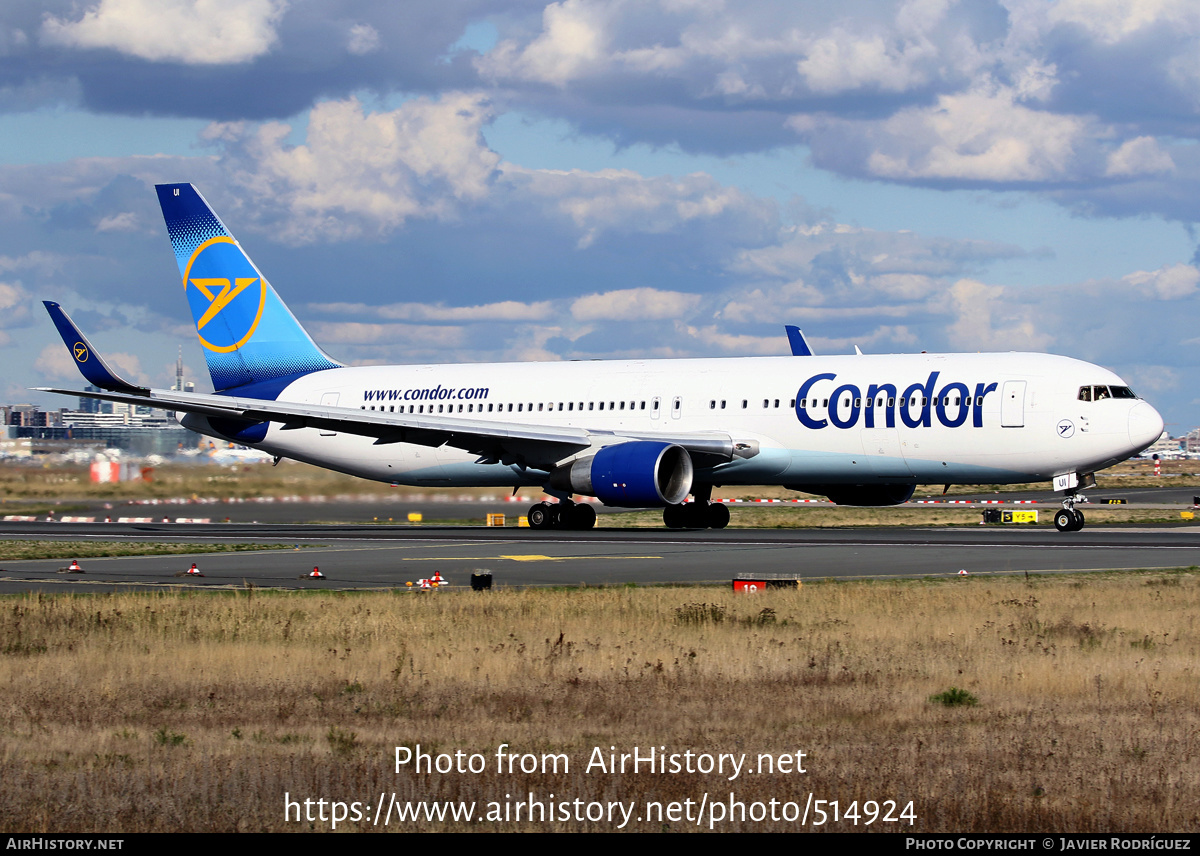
x: 248, y: 334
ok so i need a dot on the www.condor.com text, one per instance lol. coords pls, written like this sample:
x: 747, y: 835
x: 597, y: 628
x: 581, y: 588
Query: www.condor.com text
x: 707, y: 811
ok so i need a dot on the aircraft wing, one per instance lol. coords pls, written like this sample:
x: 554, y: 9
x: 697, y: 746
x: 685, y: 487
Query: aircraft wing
x: 537, y: 446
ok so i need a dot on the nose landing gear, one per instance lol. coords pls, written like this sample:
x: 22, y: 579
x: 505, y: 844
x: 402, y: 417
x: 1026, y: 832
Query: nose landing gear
x: 1068, y: 518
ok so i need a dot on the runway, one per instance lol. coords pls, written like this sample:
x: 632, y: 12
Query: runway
x: 381, y: 557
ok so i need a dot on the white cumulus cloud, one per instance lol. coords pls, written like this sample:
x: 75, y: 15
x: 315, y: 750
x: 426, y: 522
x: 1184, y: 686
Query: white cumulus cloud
x: 361, y: 173
x: 194, y: 32
x: 1170, y: 282
x: 634, y: 304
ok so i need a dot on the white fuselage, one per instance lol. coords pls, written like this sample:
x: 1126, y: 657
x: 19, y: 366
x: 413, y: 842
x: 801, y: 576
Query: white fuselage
x: 921, y: 418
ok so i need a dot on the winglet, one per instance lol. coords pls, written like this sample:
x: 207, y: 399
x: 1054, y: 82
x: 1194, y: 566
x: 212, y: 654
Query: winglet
x: 799, y: 344
x: 89, y: 362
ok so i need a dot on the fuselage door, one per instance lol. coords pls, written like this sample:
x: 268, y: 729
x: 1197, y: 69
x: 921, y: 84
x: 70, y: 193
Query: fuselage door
x: 1012, y: 404
x: 329, y: 399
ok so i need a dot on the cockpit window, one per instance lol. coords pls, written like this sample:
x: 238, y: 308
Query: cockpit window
x: 1097, y: 393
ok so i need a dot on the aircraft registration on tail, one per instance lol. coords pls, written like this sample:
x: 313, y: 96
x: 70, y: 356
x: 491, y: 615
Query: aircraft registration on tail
x: 858, y: 429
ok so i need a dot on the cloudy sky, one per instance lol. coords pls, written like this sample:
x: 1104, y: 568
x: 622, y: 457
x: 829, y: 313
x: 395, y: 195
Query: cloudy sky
x: 513, y: 180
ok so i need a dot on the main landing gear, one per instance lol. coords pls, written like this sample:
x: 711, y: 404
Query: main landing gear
x: 562, y: 515
x: 1068, y: 518
x: 696, y: 515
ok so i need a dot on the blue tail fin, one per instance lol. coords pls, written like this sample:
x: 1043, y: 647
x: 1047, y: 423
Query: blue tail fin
x: 248, y: 334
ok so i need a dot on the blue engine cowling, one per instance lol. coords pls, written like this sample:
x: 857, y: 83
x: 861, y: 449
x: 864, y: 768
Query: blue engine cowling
x: 636, y: 474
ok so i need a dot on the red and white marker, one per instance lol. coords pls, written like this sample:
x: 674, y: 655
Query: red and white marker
x: 315, y: 575
x: 963, y: 572
x: 74, y: 567
x: 193, y: 571
x: 436, y: 579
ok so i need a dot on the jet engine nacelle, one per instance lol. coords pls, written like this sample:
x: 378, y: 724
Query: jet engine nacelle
x: 860, y: 494
x: 631, y: 475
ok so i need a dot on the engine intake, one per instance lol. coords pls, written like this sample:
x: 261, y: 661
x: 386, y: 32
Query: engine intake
x: 636, y: 474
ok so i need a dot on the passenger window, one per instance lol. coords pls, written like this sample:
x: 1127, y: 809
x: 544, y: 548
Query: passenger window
x: 722, y: 404
x: 712, y: 405
x: 745, y: 404
x: 591, y: 405
x: 891, y: 402
x: 765, y: 403
x: 601, y: 405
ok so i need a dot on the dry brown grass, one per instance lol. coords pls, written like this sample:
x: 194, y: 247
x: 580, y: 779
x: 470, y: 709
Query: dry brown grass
x: 14, y: 550
x: 132, y: 712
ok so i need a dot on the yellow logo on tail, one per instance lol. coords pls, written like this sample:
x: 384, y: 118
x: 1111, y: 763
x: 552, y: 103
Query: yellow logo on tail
x: 217, y: 289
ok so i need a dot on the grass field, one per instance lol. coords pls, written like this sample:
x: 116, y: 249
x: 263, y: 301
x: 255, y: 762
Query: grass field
x: 992, y: 704
x: 14, y: 550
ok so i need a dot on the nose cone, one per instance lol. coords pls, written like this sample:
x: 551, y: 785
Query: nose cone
x: 1145, y: 425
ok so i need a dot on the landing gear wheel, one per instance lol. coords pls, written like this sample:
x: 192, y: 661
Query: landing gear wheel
x: 581, y: 517
x: 1068, y: 520
x: 675, y: 517
x: 539, y: 516
x: 1078, y: 520
x: 696, y: 516
x: 718, y: 515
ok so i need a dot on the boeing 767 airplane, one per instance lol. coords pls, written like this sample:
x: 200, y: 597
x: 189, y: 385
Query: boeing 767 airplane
x: 860, y: 430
